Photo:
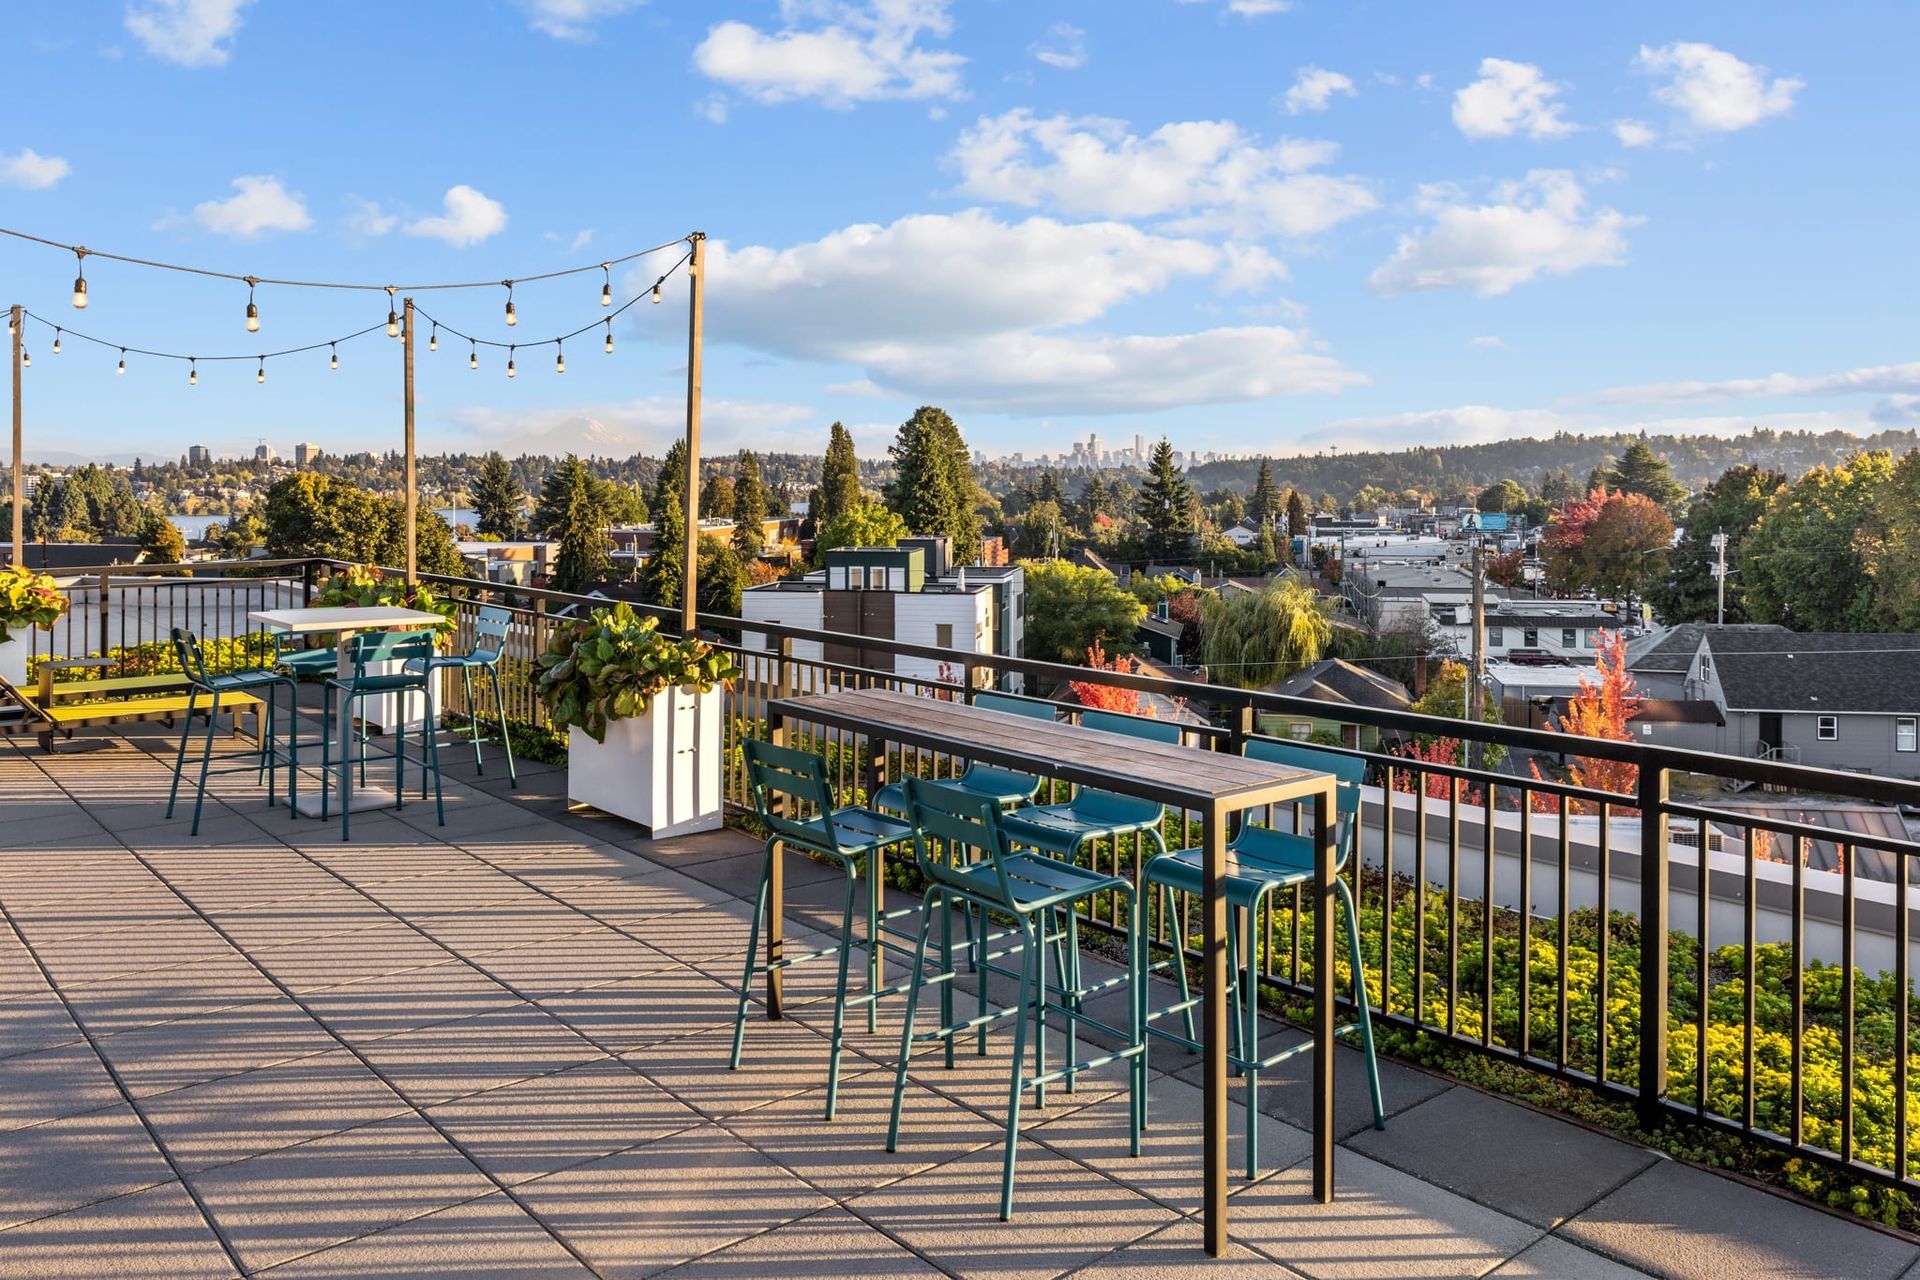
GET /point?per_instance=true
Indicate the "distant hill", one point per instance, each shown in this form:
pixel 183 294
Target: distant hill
pixel 1695 459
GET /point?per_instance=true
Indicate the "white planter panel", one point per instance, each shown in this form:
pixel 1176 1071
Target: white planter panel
pixel 13 659
pixel 660 770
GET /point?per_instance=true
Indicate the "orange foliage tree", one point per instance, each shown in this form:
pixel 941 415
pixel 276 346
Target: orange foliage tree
pixel 1106 697
pixel 1438 786
pixel 1599 710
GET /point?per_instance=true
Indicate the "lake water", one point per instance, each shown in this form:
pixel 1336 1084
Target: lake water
pixel 192 527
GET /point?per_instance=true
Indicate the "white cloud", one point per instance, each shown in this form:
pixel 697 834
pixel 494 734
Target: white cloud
pixel 1897 411
pixel 1507 98
pixel 1249 269
pixel 29 169
pixel 470 217
pixel 837 52
pixel 1635 133
pixel 622 428
pixel 261 204
pixel 1881 379
pixel 1539 226
pixel 1208 173
pixel 971 310
pixel 1487 340
pixel 1314 89
pixel 368 219
pixel 1258 8
pixel 193 33
pixel 1065 47
pixel 573 19
pixel 1713 91
pixel 858 387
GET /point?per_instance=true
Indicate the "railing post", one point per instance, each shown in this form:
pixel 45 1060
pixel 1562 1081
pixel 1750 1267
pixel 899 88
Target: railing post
pixel 1653 939
pixel 105 613
pixel 1242 728
pixel 306 585
pixel 966 678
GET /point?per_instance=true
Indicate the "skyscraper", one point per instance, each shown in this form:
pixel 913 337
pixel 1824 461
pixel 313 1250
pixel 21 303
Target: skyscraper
pixel 199 456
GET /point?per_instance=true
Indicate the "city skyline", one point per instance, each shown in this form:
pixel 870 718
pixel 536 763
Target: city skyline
pixel 1452 228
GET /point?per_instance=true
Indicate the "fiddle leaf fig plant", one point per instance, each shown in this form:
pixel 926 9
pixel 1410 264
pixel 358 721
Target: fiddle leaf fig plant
pixel 611 664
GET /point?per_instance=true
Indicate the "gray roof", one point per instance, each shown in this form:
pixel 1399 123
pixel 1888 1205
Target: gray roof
pixel 1673 649
pixel 1815 671
pixel 1338 681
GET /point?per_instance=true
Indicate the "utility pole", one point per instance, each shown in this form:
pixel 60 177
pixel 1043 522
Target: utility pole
pixel 17 326
pixel 413 488
pixel 1477 674
pixel 696 282
pixel 1720 575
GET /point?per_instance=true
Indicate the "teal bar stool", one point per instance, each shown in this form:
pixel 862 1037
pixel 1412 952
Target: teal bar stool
pixel 978 868
pixel 303 664
pixel 1265 861
pixel 490 628
pixel 1092 814
pixel 408 649
pixel 1004 787
pixel 794 801
pixel 266 756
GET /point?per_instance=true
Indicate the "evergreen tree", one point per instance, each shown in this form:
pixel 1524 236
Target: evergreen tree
pixel 1299 524
pixel 1732 504
pixel 497 499
pixel 666 566
pixel 582 559
pixel 1641 470
pixel 1557 487
pixel 934 490
pixel 1268 551
pixel 717 498
pixel 749 509
pixel 839 476
pixel 1166 506
pixel 1264 504
pixel 556 494
pixel 160 541
pixel 1050 489
pixel 1096 500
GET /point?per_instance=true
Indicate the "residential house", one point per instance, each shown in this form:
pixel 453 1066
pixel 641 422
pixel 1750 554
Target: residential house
pixel 1338 683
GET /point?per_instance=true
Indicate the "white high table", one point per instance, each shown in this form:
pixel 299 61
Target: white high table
pixel 345 622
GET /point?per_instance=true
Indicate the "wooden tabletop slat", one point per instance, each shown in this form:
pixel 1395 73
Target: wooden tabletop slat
pixel 1186 776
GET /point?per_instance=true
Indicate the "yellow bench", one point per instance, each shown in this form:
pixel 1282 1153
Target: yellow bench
pixel 69 705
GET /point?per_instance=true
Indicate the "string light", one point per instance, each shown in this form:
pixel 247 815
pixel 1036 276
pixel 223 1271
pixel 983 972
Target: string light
pixel 606 287
pixel 609 347
pixel 656 290
pixel 393 318
pixel 511 318
pixel 253 312
pixel 121 371
pixel 510 351
pixel 433 339
pixel 559 358
pixel 193 372
pixel 80 280
pixel 260 375
pixel 26 358
pixel 56 342
pixel 334 362
pixel 61 333
pixel 473 354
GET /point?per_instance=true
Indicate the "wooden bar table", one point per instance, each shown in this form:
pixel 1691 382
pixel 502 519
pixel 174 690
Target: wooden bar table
pixel 1213 784
pixel 345 622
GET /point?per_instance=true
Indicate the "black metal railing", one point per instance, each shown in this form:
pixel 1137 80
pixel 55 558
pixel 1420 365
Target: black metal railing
pixel 1708 971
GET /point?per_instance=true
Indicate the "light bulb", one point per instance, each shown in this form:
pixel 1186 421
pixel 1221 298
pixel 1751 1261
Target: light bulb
pixel 510 351
pixel 559 360
pixel 193 374
pixel 260 374
pixel 473 356
pixel 253 318
pixel 123 362
pixel 26 359
pixel 512 319
pixel 334 363
pixel 393 323
pixel 79 293
pixel 606 286
pixel 433 339
pixel 609 337
pixel 656 293
pixel 56 342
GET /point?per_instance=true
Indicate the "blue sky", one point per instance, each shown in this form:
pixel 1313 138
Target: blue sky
pixel 1248 225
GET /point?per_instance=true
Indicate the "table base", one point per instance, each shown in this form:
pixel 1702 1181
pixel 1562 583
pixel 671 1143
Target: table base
pixel 364 798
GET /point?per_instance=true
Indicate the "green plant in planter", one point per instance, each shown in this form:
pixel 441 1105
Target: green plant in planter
pixel 28 599
pixel 610 664
pixel 364 586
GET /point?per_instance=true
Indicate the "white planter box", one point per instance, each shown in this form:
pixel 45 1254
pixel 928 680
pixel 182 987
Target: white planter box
pixel 13 658
pixel 661 770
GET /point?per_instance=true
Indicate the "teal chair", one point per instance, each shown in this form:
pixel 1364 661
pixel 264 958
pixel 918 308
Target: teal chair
pixel 266 756
pixel 978 868
pixel 1264 862
pixel 408 650
pixel 795 803
pixel 490 627
pixel 1004 787
pixel 303 664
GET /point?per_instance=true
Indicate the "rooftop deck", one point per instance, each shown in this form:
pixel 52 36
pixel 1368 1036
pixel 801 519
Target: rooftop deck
pixel 497 1049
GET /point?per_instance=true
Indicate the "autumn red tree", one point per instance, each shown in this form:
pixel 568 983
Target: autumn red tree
pixel 1601 709
pixel 1106 697
pixel 1563 542
pixel 1438 786
pixel 1605 541
pixel 1504 569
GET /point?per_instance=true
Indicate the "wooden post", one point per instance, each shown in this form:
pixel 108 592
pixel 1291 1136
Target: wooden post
pixel 696 290
pixel 413 488
pixel 19 321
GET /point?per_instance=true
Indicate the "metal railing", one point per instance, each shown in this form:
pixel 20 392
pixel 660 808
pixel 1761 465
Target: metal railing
pixel 1722 977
